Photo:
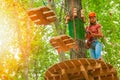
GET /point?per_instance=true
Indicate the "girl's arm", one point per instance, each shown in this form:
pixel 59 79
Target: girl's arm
pixel 99 33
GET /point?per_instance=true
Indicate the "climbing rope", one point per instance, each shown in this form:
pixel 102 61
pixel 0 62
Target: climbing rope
pixel 73 20
pixel 43 3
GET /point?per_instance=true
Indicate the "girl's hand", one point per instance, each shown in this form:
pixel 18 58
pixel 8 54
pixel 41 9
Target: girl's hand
pixel 93 34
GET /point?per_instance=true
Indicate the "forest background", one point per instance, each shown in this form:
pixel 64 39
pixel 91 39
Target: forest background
pixel 25 51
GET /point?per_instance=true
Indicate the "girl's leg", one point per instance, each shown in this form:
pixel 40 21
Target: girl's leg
pixel 92 53
pixel 98 49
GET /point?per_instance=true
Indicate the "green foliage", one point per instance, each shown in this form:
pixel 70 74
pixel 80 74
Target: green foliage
pixel 42 55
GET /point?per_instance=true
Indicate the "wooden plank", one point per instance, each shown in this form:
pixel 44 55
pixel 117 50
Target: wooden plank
pixel 38 22
pixel 65 76
pixel 55 44
pixel 70 45
pixel 49 13
pixel 73 70
pixel 64 48
pixel 63 37
pixel 62 66
pixel 47 74
pixel 44 9
pixel 33 11
pixel 95 72
pixel 69 64
pixel 67 41
pixel 76 63
pixel 91 77
pixel 85 73
pixel 108 77
pixel 33 17
pixel 56 67
pixel 51 18
pixel 92 61
pixel 52 40
pixel 84 62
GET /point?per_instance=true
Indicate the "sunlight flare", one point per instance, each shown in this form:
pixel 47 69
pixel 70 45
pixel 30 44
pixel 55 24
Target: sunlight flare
pixel 12 19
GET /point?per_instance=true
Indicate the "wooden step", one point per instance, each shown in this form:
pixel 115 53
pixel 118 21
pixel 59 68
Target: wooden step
pixel 64 42
pixel 78 69
pixel 44 14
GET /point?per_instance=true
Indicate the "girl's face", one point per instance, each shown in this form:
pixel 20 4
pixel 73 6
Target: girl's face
pixel 92 20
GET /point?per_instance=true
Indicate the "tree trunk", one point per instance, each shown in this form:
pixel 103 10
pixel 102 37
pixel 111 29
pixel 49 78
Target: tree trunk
pixel 59 30
pixel 76 28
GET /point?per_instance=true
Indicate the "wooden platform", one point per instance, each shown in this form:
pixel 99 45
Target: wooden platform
pixel 62 43
pixel 42 15
pixel 81 69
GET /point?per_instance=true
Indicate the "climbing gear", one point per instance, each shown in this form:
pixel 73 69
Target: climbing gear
pixel 67 18
pixel 92 14
pixel 74 12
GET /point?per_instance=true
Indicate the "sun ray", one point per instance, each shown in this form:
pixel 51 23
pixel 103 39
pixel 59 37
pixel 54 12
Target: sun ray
pixel 13 22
